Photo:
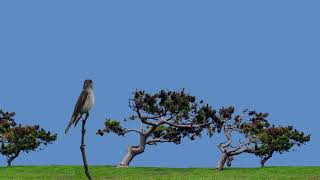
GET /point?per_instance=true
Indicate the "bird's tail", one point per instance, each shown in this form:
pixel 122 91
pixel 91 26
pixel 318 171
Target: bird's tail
pixel 69 125
pixel 77 119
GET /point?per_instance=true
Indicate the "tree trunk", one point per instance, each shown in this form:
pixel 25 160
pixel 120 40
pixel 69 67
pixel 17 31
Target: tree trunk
pixel 264 160
pixel 83 150
pixel 222 161
pixel 10 159
pixel 9 162
pixel 134 151
pixel 229 161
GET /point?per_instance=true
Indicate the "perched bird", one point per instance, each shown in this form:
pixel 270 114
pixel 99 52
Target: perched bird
pixel 83 105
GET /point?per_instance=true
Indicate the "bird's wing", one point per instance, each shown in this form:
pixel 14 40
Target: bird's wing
pixel 77 109
pixel 80 103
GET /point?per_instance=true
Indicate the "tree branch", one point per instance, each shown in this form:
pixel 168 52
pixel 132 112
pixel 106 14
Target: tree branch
pixel 241 150
pixel 151 142
pixel 160 140
pixel 82 148
pixel 132 130
pixel 144 119
pixel 151 130
pixel 183 125
pixel 223 146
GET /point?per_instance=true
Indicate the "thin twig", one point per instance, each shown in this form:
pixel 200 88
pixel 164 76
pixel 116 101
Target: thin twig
pixel 83 150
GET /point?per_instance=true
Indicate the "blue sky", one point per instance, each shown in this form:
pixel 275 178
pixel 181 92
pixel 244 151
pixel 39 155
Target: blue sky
pixel 256 54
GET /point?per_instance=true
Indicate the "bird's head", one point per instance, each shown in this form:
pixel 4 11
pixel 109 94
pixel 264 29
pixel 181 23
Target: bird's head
pixel 87 83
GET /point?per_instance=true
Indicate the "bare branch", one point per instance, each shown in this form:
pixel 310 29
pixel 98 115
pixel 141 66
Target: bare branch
pixel 241 147
pixel 144 119
pixel 132 130
pixel 159 139
pixel 241 150
pixel 151 142
pixel 183 125
pixel 155 117
pixel 222 146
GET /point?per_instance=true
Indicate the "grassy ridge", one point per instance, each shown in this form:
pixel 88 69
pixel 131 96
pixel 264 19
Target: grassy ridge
pixel 146 173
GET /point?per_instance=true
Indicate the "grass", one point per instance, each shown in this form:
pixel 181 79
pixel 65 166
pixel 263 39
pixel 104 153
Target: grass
pixel 146 173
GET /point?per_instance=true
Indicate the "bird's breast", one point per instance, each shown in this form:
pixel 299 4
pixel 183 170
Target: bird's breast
pixel 89 102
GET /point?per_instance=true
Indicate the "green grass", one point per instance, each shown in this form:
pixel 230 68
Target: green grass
pixel 144 173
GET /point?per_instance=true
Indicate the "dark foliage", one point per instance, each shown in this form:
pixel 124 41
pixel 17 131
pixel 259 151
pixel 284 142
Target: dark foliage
pixel 259 137
pixel 174 114
pixel 279 140
pixel 17 138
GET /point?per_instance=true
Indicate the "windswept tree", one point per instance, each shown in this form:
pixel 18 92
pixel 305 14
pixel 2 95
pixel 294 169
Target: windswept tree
pixel 165 117
pixel 257 136
pixel 16 138
pixel 279 140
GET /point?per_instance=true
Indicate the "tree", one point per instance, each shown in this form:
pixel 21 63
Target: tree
pixel 16 138
pixel 257 136
pixel 165 117
pixel 280 140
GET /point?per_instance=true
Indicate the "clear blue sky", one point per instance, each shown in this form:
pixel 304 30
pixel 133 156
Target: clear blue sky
pixel 257 54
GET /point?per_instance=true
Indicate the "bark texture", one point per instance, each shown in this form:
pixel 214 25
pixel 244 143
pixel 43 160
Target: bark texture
pixel 222 161
pixel 134 151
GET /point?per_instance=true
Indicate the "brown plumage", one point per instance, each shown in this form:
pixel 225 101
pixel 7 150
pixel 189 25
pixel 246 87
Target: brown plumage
pixel 83 105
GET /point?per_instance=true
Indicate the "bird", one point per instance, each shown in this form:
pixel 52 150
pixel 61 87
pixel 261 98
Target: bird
pixel 84 104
